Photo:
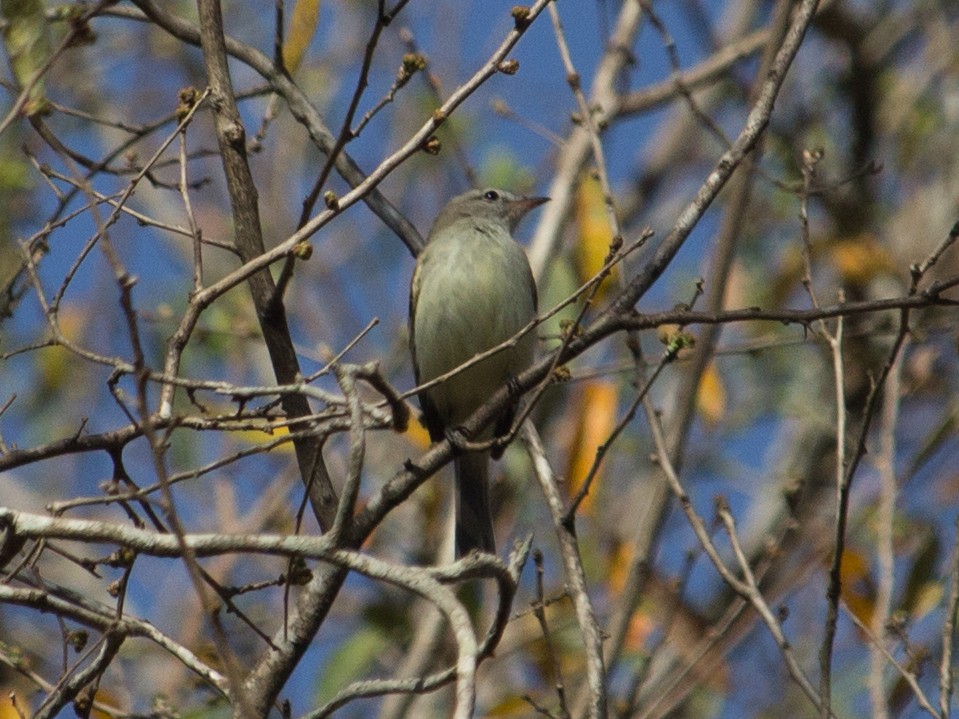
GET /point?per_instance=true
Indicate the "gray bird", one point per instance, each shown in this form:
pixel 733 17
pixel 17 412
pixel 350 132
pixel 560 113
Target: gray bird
pixel 472 290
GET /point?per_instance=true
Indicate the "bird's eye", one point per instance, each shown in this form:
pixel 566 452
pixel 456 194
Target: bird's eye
pixel 491 195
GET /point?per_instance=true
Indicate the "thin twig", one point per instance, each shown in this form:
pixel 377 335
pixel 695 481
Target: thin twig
pixel 949 633
pixel 539 611
pixel 885 550
pixel 746 587
pixel 575 576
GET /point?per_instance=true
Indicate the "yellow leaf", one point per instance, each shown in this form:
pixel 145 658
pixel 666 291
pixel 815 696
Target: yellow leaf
pixel 417 433
pixel 857 588
pixel 642 626
pixel 54 367
pixel 108 699
pixel 10 700
pixel 595 413
pixel 922 582
pixel 594 232
pixel 261 436
pixel 927 598
pixel 859 259
pixel 618 568
pixel 57 365
pixel 510 705
pixel 306 14
pixel 711 397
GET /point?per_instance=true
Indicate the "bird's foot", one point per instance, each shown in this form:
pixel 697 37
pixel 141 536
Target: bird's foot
pixel 513 388
pixel 459 439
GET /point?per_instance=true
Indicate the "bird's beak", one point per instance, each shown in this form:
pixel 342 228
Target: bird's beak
pixel 518 208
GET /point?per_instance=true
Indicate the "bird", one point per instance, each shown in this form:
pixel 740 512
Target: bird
pixel 472 289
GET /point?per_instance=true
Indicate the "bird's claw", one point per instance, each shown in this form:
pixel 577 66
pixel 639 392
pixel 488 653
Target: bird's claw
pixel 457 437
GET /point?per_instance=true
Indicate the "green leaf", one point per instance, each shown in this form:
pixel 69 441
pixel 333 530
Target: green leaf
pixel 27 40
pixel 350 662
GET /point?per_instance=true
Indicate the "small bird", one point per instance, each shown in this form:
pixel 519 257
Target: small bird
pixel 472 289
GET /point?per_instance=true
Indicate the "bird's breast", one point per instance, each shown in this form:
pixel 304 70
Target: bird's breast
pixel 472 296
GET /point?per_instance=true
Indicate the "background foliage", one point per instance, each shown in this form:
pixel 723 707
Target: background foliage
pixel 789 376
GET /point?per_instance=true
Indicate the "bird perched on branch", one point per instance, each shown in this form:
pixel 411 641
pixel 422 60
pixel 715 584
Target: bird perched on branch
pixel 471 291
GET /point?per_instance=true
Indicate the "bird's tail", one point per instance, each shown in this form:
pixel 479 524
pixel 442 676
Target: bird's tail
pixel 474 521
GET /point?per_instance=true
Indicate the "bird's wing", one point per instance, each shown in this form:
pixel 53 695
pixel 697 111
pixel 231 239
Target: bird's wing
pixel 430 417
